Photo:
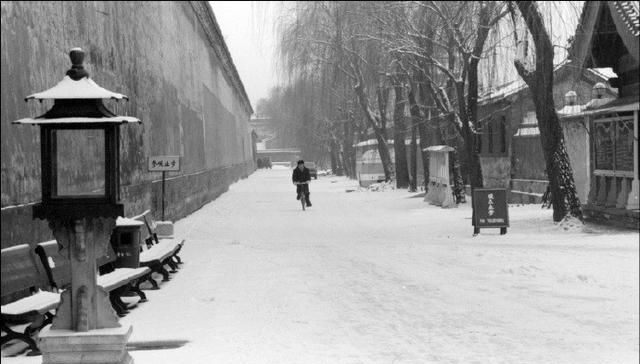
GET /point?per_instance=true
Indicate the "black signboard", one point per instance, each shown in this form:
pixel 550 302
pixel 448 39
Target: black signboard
pixel 490 209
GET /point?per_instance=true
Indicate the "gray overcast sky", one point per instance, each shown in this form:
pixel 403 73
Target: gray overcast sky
pixel 247 27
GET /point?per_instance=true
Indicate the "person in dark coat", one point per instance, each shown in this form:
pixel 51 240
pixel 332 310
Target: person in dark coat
pixel 301 174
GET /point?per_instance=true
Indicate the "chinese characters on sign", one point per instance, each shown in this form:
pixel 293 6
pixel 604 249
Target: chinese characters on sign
pixel 490 209
pixel 164 163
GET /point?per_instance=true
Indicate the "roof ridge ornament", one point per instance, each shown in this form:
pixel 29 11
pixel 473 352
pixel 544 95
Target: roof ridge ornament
pixel 77 71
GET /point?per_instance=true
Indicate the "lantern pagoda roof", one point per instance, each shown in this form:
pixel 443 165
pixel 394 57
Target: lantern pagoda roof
pixel 78 120
pixel 83 88
pixel 78 100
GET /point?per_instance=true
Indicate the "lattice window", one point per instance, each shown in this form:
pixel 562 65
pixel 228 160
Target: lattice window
pixel 503 134
pixel 490 133
pixel 624 145
pixel 613 143
pixel 603 139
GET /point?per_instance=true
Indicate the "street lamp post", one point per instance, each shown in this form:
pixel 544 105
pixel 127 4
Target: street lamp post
pixel 79 140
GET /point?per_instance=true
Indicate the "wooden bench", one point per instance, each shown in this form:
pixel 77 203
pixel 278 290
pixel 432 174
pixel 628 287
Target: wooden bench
pixel 159 248
pixel 20 272
pixel 116 281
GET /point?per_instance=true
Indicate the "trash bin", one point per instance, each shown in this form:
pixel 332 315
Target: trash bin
pixel 125 241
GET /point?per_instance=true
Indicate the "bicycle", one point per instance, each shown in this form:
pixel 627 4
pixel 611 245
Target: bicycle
pixel 303 198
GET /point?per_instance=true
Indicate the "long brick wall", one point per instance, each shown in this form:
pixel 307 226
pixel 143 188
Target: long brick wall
pixel 169 58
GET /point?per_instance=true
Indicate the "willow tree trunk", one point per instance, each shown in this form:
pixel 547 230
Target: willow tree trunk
pixel 413 165
pixel 564 197
pixel 414 109
pixel 349 154
pixel 336 167
pixel 402 167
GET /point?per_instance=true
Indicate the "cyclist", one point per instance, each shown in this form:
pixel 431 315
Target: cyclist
pixel 301 174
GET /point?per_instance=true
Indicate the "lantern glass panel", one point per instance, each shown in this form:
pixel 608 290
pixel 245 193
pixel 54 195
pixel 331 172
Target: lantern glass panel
pixel 80 162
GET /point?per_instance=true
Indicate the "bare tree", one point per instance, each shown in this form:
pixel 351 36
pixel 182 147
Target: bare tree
pixel 539 78
pixel 327 35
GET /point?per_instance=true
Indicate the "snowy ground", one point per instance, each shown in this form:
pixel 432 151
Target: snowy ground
pixel 380 277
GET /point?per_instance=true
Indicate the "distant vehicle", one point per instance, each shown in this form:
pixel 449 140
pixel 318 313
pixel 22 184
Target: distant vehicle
pixel 313 171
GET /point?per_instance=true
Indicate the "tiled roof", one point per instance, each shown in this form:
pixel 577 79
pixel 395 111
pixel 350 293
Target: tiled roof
pixel 629 11
pixel 513 87
pixel 625 15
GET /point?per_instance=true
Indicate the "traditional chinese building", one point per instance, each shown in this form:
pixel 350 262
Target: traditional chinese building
pixel 607 36
pixel 509 139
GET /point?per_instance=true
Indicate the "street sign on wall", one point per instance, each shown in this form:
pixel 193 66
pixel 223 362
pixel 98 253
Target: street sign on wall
pixel 164 163
pixel 490 209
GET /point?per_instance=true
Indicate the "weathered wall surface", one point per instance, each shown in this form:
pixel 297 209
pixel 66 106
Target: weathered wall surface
pixel 577 141
pixel 168 57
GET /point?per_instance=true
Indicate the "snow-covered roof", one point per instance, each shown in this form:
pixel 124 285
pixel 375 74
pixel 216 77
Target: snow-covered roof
pixel 78 120
pixel 604 72
pixel 15 247
pixel 370 142
pixel 510 88
pixel 389 142
pixel 518 85
pixel 124 221
pixel 570 110
pixel 503 91
pixel 84 88
pixel 282 150
pixel 439 148
pixel 527 131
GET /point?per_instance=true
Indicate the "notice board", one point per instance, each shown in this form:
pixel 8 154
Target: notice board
pixel 490 209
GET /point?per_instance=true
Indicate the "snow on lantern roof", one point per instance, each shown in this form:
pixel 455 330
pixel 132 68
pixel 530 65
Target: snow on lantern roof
pixel 78 120
pixel 76 84
pixel 124 221
pixel 78 100
pixel 83 88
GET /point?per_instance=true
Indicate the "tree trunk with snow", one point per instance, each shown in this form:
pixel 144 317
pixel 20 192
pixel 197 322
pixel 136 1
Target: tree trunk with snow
pixel 564 197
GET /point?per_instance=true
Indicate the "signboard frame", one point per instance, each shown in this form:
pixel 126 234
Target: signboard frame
pixel 479 220
pixel 164 164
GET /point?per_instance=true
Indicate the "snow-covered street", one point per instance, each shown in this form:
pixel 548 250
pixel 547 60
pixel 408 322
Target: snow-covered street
pixel 382 277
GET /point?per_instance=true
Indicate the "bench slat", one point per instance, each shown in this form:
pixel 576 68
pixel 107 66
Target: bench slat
pixel 120 277
pixel 40 303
